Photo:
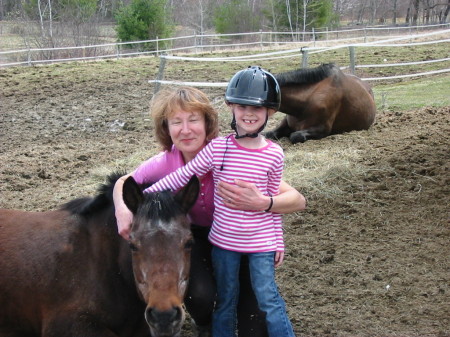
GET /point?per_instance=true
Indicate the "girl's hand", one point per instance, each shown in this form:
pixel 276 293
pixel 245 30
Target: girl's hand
pixel 279 258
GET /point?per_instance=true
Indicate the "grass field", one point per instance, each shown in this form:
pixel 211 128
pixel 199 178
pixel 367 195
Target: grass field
pixel 413 94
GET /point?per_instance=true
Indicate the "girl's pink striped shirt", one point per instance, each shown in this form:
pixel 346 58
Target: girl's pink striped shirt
pixel 236 230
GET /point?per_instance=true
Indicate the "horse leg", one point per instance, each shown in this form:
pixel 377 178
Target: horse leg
pixel 316 125
pixel 282 130
pixel 308 134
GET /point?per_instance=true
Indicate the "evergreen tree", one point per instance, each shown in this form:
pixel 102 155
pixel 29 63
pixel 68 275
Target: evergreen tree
pixel 235 16
pixel 144 20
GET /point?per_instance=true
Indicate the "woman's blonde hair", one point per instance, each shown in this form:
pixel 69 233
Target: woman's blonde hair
pixel 168 101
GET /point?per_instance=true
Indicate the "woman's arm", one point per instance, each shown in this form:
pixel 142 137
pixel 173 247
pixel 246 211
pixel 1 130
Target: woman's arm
pixel 124 216
pixel 246 196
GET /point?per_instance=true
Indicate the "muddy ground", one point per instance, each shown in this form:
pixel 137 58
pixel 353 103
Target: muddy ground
pixel 369 256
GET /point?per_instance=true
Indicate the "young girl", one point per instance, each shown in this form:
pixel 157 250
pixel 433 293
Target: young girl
pixel 252 94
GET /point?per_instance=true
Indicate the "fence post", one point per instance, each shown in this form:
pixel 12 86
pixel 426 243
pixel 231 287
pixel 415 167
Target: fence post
pixel 195 43
pixel 261 39
pixel 352 59
pixel 118 51
pixel 157 46
pixel 314 37
pixel 304 58
pixel 29 57
pixel 162 65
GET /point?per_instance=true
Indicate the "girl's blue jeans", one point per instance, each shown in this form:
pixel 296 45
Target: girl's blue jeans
pixel 262 273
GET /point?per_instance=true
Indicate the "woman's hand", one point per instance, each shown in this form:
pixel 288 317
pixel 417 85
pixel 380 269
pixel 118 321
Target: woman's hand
pixel 246 196
pixel 124 218
pixel 243 196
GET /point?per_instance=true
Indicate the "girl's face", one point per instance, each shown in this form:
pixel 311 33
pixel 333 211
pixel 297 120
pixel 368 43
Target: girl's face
pixel 249 118
pixel 188 132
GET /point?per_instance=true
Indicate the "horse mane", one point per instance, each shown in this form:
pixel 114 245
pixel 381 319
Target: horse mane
pixel 307 76
pixel 88 205
pixel 104 199
pixel 166 208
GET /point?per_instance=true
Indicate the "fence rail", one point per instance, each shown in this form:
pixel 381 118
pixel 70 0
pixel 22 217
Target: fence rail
pixel 304 54
pixel 211 43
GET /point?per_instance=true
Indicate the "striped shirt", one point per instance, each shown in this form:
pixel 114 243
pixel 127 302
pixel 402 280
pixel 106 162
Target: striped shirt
pixel 236 230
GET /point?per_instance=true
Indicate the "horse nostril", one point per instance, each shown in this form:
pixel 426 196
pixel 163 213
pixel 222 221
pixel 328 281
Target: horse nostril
pixel 163 318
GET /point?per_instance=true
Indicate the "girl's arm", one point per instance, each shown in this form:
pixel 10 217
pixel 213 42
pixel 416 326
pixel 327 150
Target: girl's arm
pixel 199 166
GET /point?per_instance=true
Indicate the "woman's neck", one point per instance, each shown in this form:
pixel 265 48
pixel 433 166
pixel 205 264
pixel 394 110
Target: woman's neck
pixel 188 156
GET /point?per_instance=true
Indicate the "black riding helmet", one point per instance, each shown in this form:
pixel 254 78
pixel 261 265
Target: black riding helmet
pixel 253 86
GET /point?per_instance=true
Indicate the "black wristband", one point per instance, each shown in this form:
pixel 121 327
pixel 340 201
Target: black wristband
pixel 270 205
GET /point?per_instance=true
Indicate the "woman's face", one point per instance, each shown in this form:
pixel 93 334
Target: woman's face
pixel 188 132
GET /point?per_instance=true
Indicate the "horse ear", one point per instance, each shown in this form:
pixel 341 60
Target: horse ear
pixel 132 194
pixel 188 194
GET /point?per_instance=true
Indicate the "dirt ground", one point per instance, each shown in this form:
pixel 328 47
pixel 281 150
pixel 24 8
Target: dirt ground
pixel 369 256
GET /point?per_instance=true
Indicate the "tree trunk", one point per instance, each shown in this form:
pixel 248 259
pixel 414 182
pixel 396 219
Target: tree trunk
pixel 447 10
pixel 288 9
pixel 416 4
pixel 427 11
pixel 394 17
pixel 274 18
pixel 41 19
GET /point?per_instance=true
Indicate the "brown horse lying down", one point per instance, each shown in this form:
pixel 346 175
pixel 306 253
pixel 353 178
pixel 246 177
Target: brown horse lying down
pixel 67 273
pixel 322 101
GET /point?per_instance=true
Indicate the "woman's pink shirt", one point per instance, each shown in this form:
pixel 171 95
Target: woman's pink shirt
pixel 164 163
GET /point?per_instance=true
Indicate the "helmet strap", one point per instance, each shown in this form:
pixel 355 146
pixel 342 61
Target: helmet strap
pixel 250 135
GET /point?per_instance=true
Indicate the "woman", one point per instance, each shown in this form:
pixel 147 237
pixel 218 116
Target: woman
pixel 185 122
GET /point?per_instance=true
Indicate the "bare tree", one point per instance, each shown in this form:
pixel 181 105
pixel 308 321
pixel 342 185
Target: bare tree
pixel 447 10
pixel 415 15
pixel 46 15
pixel 305 6
pixel 289 16
pixel 193 13
pixel 394 16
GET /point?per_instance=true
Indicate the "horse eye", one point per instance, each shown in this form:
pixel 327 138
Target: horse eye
pixel 189 244
pixel 133 247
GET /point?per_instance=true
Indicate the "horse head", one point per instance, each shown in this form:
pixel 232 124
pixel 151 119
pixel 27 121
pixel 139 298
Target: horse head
pixel 161 241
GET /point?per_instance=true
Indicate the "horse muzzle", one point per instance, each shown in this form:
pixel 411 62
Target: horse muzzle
pixel 165 323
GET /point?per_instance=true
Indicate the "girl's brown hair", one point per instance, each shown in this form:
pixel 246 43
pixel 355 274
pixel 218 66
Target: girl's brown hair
pixel 168 101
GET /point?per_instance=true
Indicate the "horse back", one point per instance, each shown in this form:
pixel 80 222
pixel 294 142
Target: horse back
pixel 358 105
pixel 30 244
pixel 60 266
